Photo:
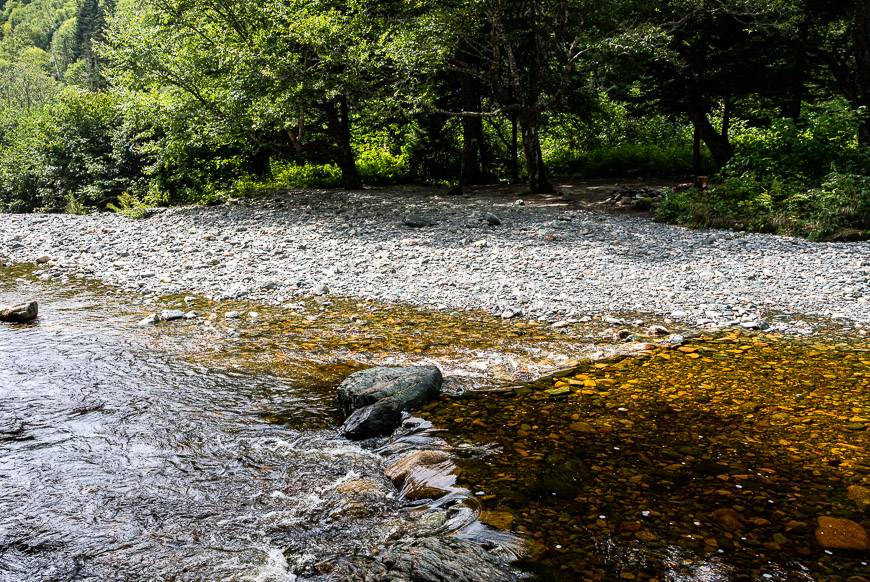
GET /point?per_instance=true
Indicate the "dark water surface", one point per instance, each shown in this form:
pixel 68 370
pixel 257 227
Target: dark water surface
pixel 710 462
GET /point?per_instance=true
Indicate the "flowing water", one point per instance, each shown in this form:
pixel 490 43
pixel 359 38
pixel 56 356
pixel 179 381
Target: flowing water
pixel 207 449
pixel 118 461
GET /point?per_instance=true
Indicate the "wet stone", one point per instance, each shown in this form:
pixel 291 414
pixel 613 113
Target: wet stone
pixel 20 313
pixel 835 533
pixel 399 470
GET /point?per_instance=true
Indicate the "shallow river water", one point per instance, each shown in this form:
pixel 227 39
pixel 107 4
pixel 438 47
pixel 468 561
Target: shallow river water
pixel 208 450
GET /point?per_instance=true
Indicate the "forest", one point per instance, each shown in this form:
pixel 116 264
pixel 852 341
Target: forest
pixel 131 104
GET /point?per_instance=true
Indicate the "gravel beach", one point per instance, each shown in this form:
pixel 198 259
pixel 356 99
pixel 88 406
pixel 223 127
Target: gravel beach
pixel 536 258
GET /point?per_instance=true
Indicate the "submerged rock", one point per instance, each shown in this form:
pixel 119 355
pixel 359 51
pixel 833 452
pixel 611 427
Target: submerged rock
pixel 399 470
pixel 860 495
pixel 20 313
pixel 834 533
pixel 375 398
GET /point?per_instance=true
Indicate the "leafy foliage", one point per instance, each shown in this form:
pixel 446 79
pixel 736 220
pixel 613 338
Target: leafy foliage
pixel 137 103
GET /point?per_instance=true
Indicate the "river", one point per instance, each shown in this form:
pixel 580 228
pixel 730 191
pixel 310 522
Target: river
pixel 205 451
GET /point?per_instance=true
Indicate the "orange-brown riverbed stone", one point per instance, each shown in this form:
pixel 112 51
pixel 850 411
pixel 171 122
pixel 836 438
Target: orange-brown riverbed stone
pixel 835 533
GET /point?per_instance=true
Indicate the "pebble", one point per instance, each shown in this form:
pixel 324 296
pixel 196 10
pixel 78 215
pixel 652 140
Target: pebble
pixel 539 260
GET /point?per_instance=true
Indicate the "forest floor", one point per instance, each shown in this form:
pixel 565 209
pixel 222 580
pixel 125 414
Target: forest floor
pixel 535 257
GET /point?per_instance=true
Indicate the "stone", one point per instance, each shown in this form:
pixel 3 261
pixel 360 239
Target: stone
pixel 658 330
pixel 398 470
pixel 20 313
pixel 43 259
pixel 415 220
pixel 150 320
pixel 375 420
pixel 498 519
pixel 437 559
pixel 511 313
pixel 836 533
pixel 320 290
pixel 582 427
pixel 727 518
pixel 374 399
pixel 232 315
pixel 407 387
pixel 429 481
pixel 170 315
pixel 360 487
pixel 492 219
pixel 860 495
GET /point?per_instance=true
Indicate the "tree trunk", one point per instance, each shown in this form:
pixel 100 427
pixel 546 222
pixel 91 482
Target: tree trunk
pixel 696 153
pixel 792 108
pixel 718 144
pixel 338 120
pixel 861 35
pixel 539 181
pixel 472 134
pixel 515 157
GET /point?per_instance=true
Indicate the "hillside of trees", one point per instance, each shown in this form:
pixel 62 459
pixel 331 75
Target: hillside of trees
pixel 126 104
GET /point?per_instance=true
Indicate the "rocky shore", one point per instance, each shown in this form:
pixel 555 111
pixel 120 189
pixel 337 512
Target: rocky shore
pixel 533 257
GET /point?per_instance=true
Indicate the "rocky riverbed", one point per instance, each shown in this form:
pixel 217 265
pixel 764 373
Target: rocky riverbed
pixel 531 257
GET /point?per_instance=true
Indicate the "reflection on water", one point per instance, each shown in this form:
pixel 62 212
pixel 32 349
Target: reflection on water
pixel 708 462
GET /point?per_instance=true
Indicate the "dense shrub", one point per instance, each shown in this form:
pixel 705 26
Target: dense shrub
pixel 824 140
pixel 290 175
pixel 62 152
pixel 378 166
pixel 838 209
pixel 806 177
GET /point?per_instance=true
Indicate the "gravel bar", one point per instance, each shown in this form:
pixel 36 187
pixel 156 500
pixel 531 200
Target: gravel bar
pixel 535 258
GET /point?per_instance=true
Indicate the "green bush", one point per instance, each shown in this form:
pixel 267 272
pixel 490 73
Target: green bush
pixel 129 206
pixel 60 153
pixel 838 209
pixel 824 140
pixel 380 167
pixel 289 175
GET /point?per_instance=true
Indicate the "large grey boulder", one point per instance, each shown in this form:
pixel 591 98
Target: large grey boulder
pixel 19 313
pixel 373 400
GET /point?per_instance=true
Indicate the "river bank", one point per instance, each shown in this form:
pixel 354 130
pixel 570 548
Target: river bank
pixel 533 258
